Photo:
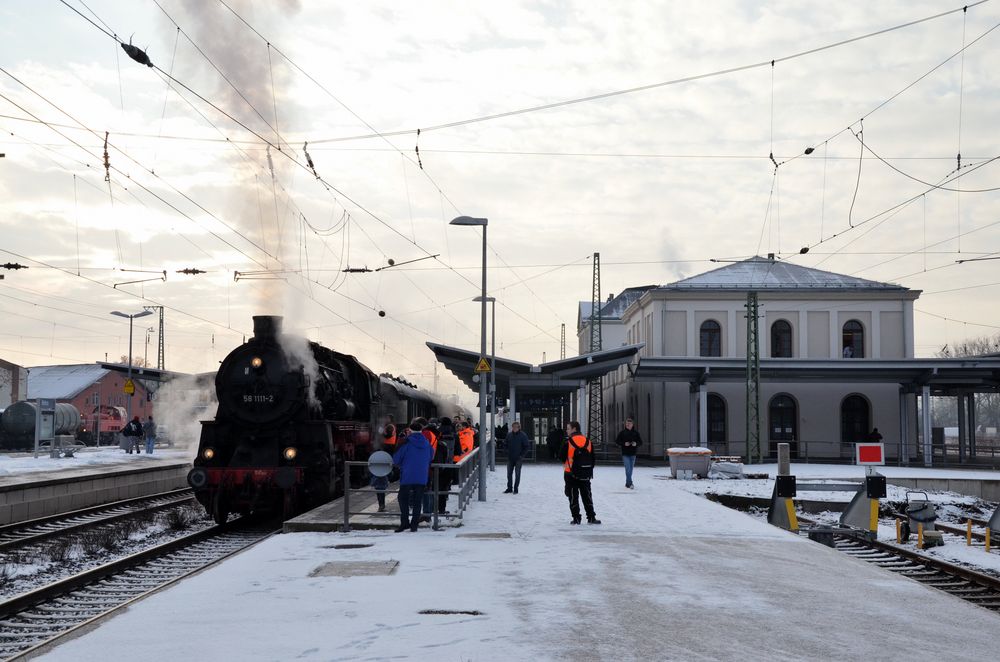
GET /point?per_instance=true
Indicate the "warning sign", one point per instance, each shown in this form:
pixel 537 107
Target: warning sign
pixel 129 388
pixel 482 366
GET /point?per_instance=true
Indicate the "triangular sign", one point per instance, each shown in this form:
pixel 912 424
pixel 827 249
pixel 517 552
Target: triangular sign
pixel 483 365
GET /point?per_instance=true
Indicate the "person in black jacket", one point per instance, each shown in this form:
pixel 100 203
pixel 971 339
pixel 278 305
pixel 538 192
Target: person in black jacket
pixel 518 445
pixel 555 440
pixel 629 441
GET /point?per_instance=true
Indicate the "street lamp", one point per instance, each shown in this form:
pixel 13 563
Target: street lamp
pixel 128 403
pixel 493 379
pixel 468 220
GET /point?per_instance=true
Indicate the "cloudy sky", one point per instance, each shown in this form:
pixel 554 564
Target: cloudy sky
pixel 659 181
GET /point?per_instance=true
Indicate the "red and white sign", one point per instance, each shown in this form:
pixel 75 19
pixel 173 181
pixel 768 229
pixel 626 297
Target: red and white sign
pixel 869 454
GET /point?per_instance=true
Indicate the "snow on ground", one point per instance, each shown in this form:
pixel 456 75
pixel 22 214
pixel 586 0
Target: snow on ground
pixel 16 464
pixel 669 575
pixel 802 470
pixel 762 489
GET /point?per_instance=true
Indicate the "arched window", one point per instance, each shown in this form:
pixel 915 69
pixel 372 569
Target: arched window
pixel 855 419
pixel 853 345
pixel 781 340
pixel 711 338
pixel 716 419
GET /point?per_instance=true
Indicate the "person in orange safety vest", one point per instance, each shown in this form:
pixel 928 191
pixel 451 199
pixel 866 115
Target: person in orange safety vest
pixel 466 442
pixel 578 468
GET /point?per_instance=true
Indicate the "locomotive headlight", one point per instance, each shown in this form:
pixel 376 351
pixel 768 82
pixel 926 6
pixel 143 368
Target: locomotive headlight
pixel 256 362
pixel 208 453
pixel 290 453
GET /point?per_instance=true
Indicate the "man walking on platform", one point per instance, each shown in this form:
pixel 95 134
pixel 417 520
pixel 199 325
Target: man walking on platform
pixel 149 431
pixel 517 447
pixel 629 441
pixel 577 472
pixel 414 461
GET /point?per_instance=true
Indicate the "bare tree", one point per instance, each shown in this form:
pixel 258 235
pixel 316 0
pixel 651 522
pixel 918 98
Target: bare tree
pixel 987 404
pixel 137 361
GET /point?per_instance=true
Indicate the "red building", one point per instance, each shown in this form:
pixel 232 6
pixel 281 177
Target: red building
pixel 85 387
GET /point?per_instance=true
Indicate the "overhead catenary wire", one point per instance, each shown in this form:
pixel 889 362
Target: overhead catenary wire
pixel 652 86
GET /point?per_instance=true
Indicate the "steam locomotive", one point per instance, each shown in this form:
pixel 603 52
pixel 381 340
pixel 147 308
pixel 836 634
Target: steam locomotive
pixel 290 413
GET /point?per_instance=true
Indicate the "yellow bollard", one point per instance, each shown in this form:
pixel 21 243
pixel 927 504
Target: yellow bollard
pixel 920 535
pixel 899 535
pixel 968 533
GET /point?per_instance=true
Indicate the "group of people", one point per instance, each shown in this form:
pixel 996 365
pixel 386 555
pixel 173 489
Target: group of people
pixel 424 442
pixel 134 432
pixel 414 448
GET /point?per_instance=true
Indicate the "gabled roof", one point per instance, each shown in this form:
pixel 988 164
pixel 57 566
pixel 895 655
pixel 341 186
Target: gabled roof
pixel 62 382
pixel 762 273
pixel 614 308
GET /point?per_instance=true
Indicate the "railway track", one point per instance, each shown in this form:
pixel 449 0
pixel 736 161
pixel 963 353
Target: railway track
pixel 970 585
pixel 26 533
pixel 38 618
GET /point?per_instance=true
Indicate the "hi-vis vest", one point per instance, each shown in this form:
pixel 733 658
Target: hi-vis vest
pixel 576 441
pixel 466 441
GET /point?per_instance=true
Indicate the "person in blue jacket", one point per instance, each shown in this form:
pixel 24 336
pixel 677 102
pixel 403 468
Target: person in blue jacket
pixel 414 461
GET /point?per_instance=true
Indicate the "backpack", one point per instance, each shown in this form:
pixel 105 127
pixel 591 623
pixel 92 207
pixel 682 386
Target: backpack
pixel 582 467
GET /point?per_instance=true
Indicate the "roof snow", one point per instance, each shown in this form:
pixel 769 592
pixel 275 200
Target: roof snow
pixel 62 382
pixel 761 273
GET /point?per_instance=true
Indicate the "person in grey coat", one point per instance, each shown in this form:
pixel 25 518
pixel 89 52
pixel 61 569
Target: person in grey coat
pixel 517 447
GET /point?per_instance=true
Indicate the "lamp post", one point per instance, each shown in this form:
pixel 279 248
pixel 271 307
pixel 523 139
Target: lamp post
pixel 493 379
pixel 128 403
pixel 468 220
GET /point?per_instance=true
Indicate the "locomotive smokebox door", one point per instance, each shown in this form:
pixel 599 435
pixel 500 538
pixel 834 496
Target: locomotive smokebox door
pixel 380 464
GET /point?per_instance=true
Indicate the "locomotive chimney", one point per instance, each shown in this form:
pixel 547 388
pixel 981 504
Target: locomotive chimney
pixel 266 326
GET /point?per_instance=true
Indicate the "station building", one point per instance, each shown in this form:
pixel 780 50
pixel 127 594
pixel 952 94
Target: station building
pixel 836 359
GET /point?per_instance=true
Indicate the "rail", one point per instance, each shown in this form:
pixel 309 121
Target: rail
pixel 465 473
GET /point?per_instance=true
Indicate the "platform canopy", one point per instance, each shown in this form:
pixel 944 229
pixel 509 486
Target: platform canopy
pixel 980 374
pixel 561 375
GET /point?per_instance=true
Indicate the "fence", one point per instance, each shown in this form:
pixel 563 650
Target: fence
pixel 803 450
pixel 465 472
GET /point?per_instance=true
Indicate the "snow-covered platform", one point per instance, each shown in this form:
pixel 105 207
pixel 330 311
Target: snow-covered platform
pixel 37 487
pixel 329 517
pixel 669 575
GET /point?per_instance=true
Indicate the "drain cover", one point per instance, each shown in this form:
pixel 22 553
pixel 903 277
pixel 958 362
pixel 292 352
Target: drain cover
pixel 483 536
pixel 449 612
pixel 355 569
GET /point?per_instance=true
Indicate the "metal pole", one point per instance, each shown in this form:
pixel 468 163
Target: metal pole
pixel 483 379
pixel 493 386
pixel 128 402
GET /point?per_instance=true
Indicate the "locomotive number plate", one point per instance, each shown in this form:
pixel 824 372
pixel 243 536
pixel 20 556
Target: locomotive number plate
pixel 258 398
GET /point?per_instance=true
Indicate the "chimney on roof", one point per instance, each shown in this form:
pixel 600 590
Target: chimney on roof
pixel 770 256
pixel 610 296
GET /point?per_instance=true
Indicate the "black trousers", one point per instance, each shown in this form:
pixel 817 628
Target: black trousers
pixel 411 498
pixel 513 473
pixel 575 490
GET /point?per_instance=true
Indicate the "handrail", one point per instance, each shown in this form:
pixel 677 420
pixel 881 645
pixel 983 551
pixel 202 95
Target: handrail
pixel 468 479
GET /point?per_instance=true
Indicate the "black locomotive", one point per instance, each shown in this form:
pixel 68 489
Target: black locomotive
pixel 290 413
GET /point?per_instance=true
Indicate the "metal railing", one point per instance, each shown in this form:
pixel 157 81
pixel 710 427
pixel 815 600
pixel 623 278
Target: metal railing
pixel 820 451
pixel 464 487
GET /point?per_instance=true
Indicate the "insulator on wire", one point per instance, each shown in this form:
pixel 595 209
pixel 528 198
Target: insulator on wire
pixel 107 159
pixel 136 53
pixel 309 160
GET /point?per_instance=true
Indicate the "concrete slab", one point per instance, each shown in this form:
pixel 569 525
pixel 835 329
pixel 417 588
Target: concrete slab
pixel 355 569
